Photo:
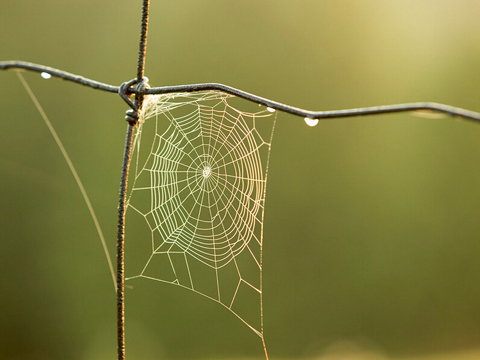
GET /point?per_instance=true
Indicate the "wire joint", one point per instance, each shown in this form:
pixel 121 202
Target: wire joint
pixel 126 92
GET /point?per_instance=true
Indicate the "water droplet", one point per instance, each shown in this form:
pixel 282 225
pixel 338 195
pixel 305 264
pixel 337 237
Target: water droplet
pixel 45 75
pixel 311 122
pixel 270 109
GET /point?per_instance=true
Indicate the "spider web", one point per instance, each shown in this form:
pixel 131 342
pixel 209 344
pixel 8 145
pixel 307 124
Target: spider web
pixel 199 186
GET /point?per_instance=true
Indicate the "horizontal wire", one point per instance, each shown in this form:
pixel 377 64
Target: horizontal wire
pixel 16 64
pixel 374 110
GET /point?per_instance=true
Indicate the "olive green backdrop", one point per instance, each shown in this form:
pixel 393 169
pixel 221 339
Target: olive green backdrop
pixel 371 225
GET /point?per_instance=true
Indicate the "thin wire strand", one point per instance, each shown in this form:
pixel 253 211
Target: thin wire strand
pixel 374 110
pixel 73 171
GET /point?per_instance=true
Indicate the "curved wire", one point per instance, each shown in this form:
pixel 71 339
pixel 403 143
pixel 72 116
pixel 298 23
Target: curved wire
pixel 74 172
pixel 374 110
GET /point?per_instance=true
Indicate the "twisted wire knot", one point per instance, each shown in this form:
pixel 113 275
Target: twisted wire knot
pixel 125 91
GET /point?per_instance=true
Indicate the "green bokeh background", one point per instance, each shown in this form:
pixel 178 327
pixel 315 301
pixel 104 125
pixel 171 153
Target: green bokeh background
pixel 371 225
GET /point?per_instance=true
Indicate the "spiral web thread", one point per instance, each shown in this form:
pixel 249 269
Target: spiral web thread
pixel 199 185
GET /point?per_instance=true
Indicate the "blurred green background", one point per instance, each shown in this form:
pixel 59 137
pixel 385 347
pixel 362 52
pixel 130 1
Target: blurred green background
pixel 371 227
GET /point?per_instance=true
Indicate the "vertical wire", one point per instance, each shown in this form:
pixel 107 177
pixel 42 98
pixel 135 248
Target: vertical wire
pixel 143 40
pixel 123 189
pixel 142 50
pixel 120 244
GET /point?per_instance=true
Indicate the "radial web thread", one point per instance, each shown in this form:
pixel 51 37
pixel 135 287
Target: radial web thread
pixel 199 186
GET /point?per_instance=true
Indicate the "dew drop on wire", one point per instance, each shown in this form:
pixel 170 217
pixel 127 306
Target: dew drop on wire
pixel 45 75
pixel 270 109
pixel 311 122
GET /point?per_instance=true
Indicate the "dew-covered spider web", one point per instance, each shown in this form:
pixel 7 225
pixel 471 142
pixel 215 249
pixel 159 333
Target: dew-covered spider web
pixel 200 173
